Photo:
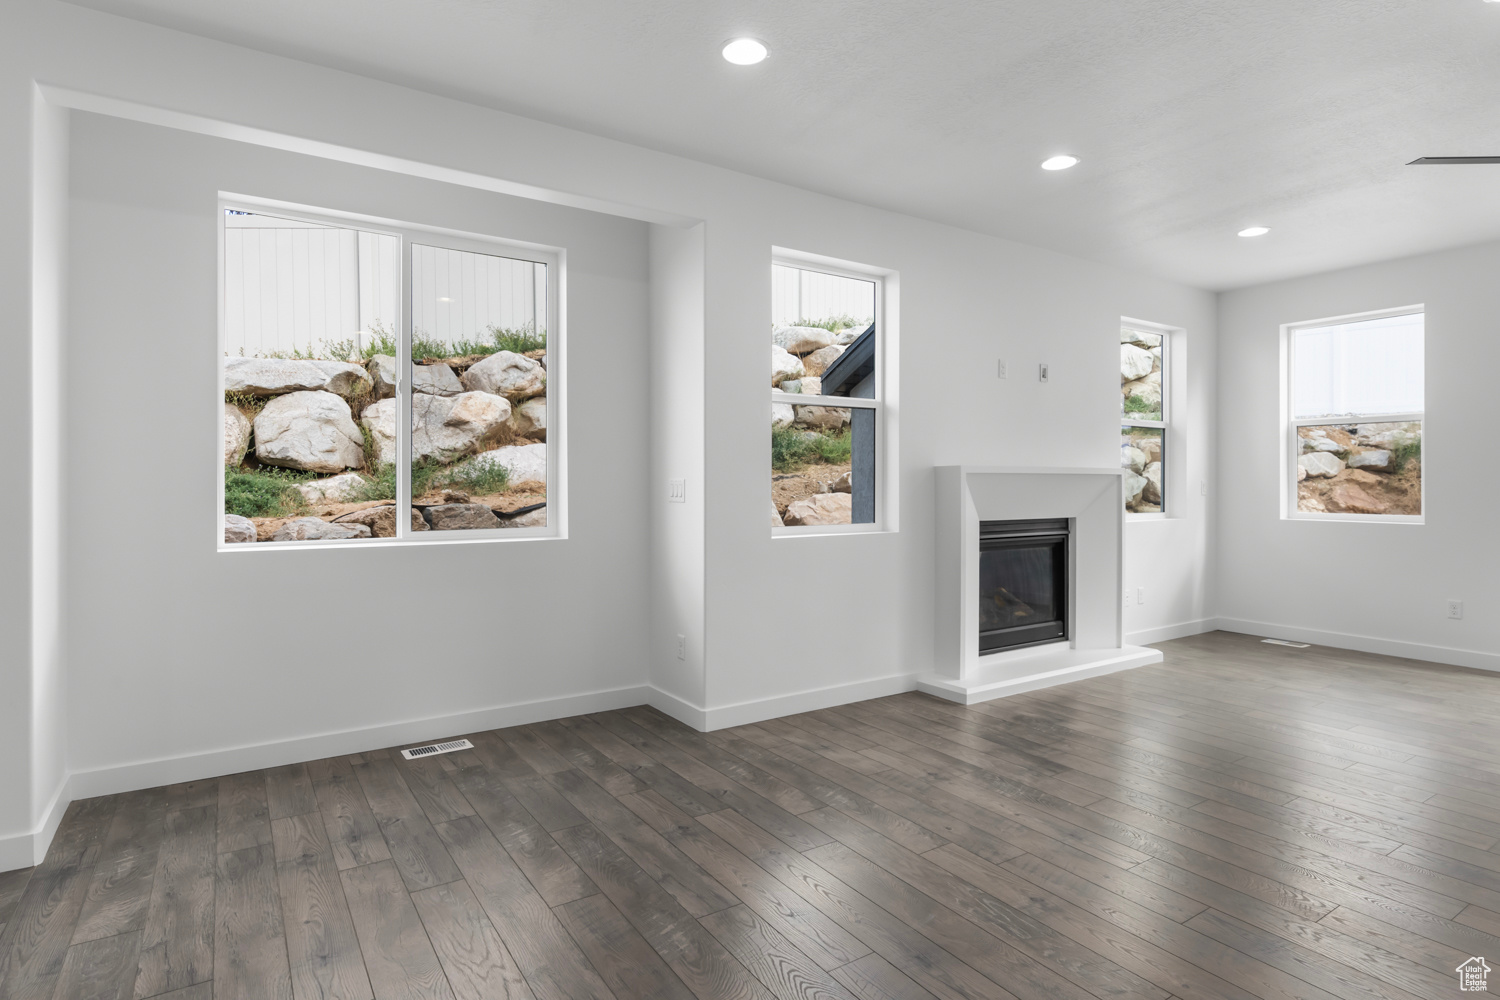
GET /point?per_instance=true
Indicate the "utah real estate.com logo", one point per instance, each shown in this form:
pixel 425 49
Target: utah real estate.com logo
pixel 1473 974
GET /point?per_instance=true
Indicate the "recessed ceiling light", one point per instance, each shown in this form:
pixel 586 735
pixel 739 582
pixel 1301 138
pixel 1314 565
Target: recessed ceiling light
pixel 744 51
pixel 1059 162
pixel 1254 231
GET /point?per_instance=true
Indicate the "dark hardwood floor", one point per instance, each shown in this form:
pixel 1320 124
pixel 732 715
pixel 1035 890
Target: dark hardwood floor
pixel 1244 820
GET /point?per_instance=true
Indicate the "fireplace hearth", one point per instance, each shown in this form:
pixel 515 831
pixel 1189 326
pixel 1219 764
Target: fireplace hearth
pixel 1023 583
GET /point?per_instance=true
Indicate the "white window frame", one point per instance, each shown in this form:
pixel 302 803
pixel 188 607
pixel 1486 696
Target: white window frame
pixel 1290 448
pixel 885 519
pixel 409 233
pixel 1168 457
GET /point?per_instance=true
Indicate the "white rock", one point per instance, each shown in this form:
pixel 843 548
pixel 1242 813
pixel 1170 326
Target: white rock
pixel 1134 362
pixel 1322 444
pixel 1151 493
pixel 818 361
pixel 849 335
pixel 784 365
pixel 792 385
pixel 823 508
pixel 531 519
pixel 277 376
pixel 802 339
pixel 382 369
pixel 336 490
pixel 1132 458
pixel 1390 439
pixel 526 463
pixel 1131 337
pixel 775 517
pixel 307 529
pixel 1373 460
pixel 1135 484
pixel 435 380
pixel 529 419
pixel 1320 463
pixel 782 414
pixel 236 435
pixel 1150 447
pixel 238 529
pixel 822 418
pixel 1148 391
pixel 308 430
pixel 507 374
pixel 843 484
pixel 444 427
pixel 811 385
pixel 461 517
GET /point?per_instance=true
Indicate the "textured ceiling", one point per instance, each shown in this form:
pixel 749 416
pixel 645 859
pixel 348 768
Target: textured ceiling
pixel 1193 119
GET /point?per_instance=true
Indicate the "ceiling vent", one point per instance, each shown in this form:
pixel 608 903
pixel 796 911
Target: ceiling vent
pixel 436 748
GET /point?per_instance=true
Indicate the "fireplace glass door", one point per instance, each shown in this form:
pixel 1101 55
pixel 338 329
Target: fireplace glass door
pixel 1023 583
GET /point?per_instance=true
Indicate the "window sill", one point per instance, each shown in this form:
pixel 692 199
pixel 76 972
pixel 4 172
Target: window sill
pixel 1358 518
pixel 829 530
pixel 464 538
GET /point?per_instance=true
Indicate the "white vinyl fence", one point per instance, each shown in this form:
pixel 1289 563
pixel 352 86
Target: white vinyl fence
pixel 798 294
pixel 1370 366
pixel 296 286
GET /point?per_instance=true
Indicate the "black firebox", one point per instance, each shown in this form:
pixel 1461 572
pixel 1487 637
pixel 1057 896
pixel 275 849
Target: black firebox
pixel 1023 583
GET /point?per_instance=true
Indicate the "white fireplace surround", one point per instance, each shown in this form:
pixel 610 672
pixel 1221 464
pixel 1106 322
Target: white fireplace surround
pixel 1093 502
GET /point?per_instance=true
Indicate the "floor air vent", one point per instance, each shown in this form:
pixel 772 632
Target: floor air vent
pixel 1288 642
pixel 436 748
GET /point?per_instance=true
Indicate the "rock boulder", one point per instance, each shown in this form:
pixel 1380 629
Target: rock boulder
pixel 236 435
pixel 802 339
pixel 443 427
pixel 784 365
pixel 530 519
pixel 382 520
pixel 507 374
pixel 525 463
pixel 461 517
pixel 1373 460
pixel 238 529
pixel 818 361
pixel 1151 493
pixel 278 376
pixel 529 419
pixel 821 418
pixel 435 380
pixel 308 529
pixel 823 508
pixel 382 370
pixel 1321 463
pixel 314 431
pixel 1348 498
pixel 1134 363
pixel 339 489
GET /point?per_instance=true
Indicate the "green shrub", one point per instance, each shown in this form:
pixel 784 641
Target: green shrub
pixel 1137 404
pixel 793 448
pixel 263 492
pixel 428 475
pixel 835 323
pixel 1404 452
pixel 473 477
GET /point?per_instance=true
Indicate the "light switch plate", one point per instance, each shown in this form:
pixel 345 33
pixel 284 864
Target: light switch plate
pixel 677 490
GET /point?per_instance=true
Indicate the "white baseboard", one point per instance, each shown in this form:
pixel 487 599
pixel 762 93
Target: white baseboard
pixel 745 712
pixel 1365 644
pixel 1047 668
pixel 25 849
pixel 1162 633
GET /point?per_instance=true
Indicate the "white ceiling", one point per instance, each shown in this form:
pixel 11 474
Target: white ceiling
pixel 1193 118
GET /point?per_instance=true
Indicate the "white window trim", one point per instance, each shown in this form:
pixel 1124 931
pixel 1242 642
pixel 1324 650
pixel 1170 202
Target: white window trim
pixel 408 233
pixel 1170 458
pixel 885 504
pixel 1291 450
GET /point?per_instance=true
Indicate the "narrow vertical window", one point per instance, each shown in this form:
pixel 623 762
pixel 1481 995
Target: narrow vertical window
pixel 1355 429
pixel 382 383
pixel 825 396
pixel 1143 418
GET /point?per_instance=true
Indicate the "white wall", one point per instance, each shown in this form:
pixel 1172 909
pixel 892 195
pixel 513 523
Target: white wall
pixel 177 649
pixel 1378 587
pixel 786 623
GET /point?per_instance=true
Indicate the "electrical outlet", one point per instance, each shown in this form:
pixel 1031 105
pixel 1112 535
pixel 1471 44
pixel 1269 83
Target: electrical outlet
pixel 1042 372
pixel 677 490
pixel 1203 487
pixel 1000 370
pixel 681 647
pixel 1140 595
pixel 1455 609
pixel 1126 602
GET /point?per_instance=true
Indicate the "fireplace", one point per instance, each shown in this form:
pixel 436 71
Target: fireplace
pixel 1023 583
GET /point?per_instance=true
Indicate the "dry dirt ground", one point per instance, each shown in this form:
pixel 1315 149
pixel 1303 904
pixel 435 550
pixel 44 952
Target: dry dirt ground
pixel 787 487
pixel 1399 492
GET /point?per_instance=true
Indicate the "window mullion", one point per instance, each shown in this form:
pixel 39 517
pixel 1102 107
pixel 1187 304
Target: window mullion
pixel 404 397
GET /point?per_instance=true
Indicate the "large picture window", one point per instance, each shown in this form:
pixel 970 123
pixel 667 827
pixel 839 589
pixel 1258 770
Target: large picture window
pixel 1355 429
pixel 825 396
pixel 382 382
pixel 1144 385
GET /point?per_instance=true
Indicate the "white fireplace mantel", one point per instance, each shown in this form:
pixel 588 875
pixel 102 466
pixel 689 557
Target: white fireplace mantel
pixel 1093 501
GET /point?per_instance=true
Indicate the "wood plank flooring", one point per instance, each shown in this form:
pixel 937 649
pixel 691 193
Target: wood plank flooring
pixel 1241 821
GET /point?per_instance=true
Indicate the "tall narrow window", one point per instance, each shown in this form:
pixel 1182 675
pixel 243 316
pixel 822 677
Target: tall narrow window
pixel 825 396
pixel 1143 418
pixel 381 383
pixel 1356 393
